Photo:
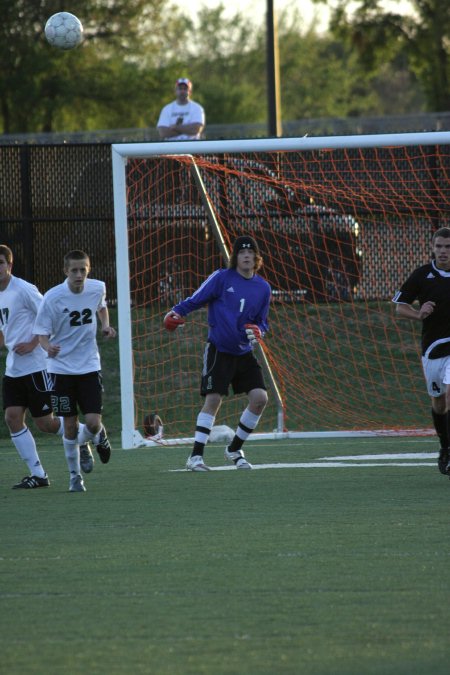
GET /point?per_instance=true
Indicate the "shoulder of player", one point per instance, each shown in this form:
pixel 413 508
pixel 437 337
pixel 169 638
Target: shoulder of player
pixel 55 291
pixel 423 272
pixel 94 284
pixel 262 280
pixel 258 279
pixel 17 283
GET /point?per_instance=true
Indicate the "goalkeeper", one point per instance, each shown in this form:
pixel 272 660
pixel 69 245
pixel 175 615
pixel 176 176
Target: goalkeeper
pixel 238 304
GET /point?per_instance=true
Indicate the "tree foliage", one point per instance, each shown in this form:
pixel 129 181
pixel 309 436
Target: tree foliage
pixel 380 37
pixel 368 63
pixel 41 86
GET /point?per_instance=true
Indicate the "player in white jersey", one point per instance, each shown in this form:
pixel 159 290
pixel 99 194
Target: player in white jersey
pixel 67 326
pixel 182 119
pixel 26 384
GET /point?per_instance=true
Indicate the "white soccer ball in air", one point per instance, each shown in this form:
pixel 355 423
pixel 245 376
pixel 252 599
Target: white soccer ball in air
pixel 64 30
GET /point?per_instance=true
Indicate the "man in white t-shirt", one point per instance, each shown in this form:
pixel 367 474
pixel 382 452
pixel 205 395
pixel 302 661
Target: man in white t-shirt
pixel 67 325
pixel 26 384
pixel 183 119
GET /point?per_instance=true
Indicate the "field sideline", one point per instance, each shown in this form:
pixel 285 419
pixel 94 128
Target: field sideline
pixel 335 564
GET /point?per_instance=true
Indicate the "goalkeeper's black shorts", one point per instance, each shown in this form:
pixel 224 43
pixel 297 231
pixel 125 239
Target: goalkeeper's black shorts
pixel 220 370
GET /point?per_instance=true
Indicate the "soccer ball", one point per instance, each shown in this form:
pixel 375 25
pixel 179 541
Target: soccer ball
pixel 64 30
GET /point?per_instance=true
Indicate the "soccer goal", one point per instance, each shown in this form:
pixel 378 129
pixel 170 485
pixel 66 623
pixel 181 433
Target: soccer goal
pixel 341 222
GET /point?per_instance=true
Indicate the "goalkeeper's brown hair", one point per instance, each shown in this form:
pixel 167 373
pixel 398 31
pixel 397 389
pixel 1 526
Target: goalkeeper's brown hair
pixel 243 243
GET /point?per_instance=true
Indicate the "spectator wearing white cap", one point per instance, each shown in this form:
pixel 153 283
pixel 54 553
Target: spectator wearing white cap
pixel 182 119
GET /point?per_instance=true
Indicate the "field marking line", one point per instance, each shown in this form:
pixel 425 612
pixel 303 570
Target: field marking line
pixel 311 465
pixel 399 455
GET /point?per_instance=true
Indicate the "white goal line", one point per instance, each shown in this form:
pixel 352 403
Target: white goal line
pixel 140 441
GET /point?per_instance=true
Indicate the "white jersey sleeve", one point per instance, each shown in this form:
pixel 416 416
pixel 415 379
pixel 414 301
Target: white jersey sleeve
pixel 19 305
pixel 70 319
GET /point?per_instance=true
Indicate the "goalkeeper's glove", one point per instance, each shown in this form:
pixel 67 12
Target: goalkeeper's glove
pixel 172 320
pixel 254 334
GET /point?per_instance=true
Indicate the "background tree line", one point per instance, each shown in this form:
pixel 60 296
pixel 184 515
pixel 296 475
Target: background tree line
pixel 369 62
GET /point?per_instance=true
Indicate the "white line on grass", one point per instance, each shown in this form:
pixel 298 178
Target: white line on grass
pixel 313 465
pixel 403 455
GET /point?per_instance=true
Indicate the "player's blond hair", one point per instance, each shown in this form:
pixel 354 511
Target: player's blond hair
pixel 75 255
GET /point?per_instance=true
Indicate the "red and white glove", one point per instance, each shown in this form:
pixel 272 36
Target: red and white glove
pixel 253 333
pixel 172 320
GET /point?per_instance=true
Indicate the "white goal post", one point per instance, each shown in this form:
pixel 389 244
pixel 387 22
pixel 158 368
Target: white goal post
pixel 123 153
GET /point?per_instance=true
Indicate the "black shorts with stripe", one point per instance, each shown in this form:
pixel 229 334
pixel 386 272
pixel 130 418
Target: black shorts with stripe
pixel 75 393
pixel 33 391
pixel 220 370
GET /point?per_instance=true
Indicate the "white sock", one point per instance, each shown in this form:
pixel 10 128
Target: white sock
pixel 84 435
pixel 60 431
pixel 205 423
pixel 26 447
pixel 96 438
pixel 72 452
pixel 247 424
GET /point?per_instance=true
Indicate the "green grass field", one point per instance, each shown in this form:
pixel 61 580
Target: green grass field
pixel 322 570
pixel 309 570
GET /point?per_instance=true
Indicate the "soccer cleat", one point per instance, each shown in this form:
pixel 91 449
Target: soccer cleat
pixel 31 482
pixel 76 484
pixel 86 458
pixel 103 447
pixel 238 458
pixel 196 463
pixel 443 460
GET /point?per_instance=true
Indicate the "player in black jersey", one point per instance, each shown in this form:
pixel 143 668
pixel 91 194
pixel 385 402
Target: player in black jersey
pixel 429 285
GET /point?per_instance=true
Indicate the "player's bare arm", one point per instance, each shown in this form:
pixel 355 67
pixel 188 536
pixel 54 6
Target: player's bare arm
pixel 107 330
pixel 23 348
pixel 51 349
pixel 405 311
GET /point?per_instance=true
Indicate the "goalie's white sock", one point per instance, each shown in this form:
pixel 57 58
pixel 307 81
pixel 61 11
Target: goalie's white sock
pixel 205 423
pixel 247 424
pixel 26 447
pixel 72 452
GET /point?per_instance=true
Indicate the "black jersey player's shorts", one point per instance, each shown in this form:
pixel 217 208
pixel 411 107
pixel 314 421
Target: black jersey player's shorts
pixel 78 392
pixel 220 370
pixel 33 391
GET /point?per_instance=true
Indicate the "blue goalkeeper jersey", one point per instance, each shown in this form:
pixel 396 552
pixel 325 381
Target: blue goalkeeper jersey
pixel 232 302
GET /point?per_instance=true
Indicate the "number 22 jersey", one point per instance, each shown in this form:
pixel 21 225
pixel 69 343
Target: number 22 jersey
pixel 70 319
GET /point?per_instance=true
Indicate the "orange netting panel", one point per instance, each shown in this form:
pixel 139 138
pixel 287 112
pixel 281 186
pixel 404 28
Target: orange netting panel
pixel 339 231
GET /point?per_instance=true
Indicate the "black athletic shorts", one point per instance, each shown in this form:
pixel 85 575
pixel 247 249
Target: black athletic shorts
pixel 220 370
pixel 78 392
pixel 33 391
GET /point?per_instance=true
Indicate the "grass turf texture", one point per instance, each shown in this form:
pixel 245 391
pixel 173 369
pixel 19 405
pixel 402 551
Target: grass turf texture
pixel 314 571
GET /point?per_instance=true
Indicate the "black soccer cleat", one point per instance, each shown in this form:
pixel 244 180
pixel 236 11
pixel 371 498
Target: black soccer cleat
pixel 31 482
pixel 104 447
pixel 443 461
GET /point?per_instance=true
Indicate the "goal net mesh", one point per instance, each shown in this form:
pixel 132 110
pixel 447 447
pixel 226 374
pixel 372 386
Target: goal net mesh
pixel 339 231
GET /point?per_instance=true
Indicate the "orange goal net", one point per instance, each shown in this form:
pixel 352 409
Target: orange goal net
pixel 340 227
